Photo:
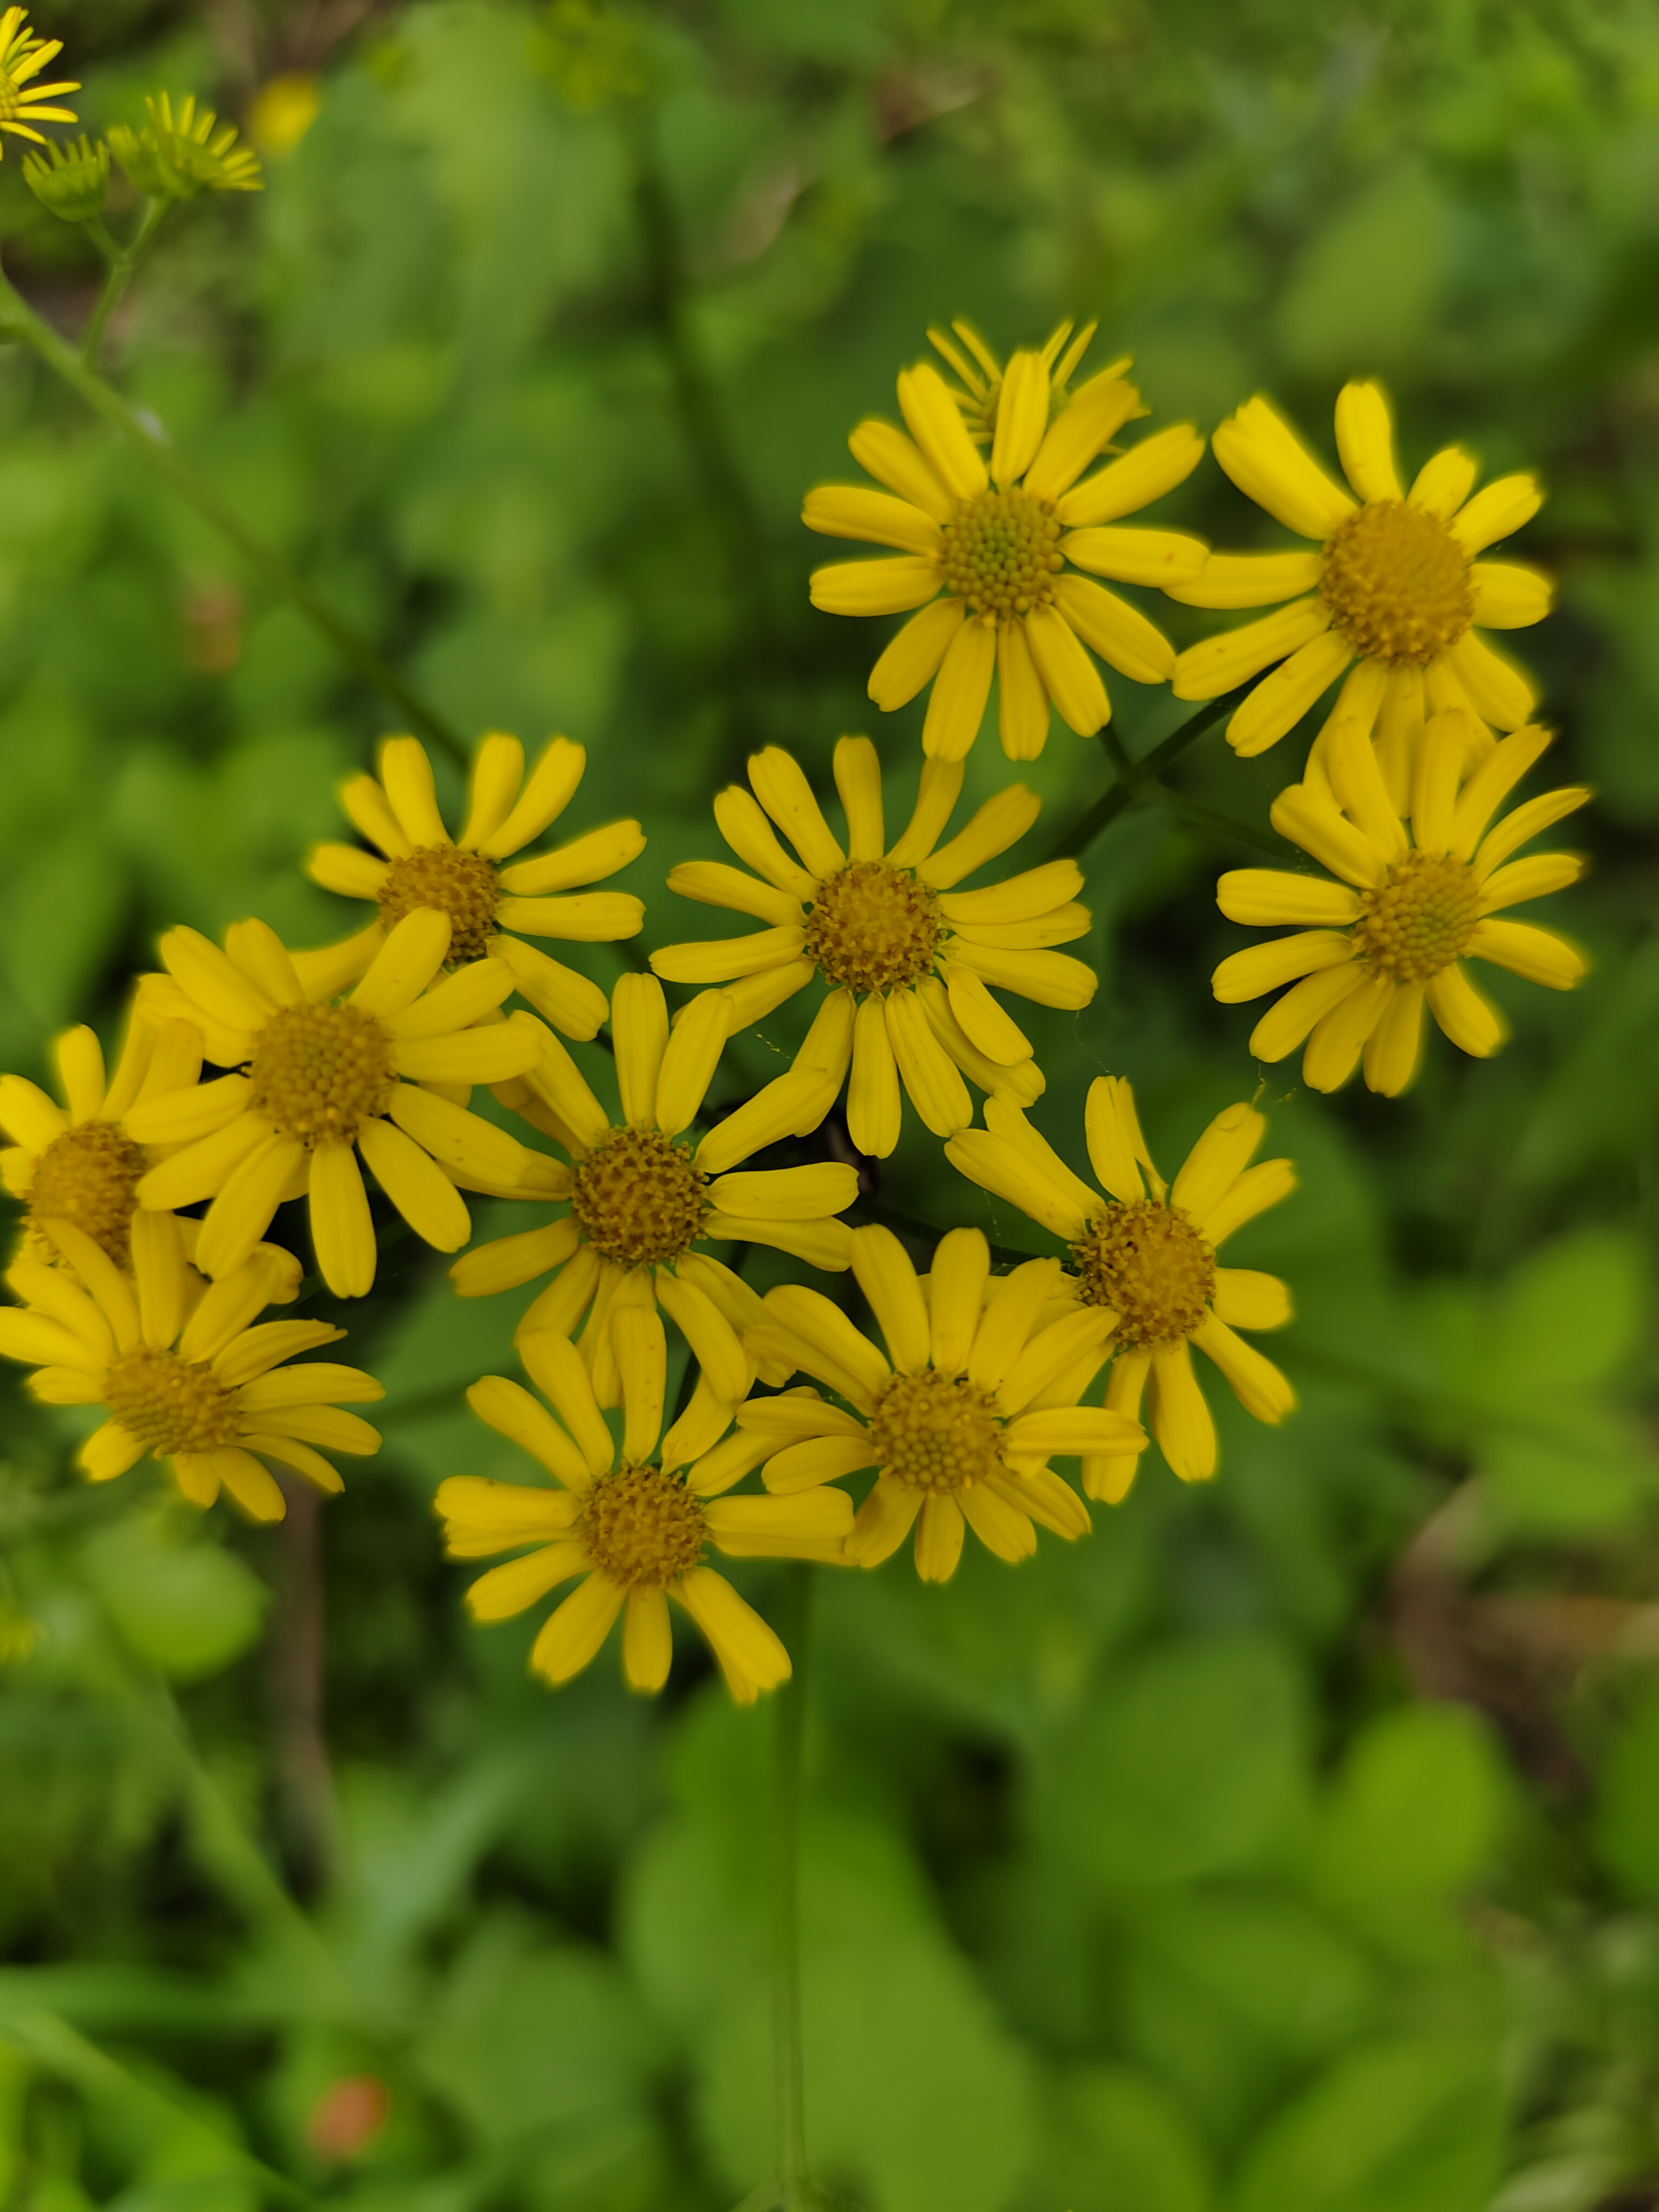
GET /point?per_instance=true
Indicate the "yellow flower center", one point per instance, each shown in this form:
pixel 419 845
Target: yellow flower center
pixel 319 1072
pixel 936 1431
pixel 90 1177
pixel 461 884
pixel 639 1198
pixel 1147 1262
pixel 1419 918
pixel 643 1526
pixel 171 1405
pixel 873 928
pixel 1001 553
pixel 1397 584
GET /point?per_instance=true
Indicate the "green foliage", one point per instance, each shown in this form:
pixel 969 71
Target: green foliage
pixel 1290 1845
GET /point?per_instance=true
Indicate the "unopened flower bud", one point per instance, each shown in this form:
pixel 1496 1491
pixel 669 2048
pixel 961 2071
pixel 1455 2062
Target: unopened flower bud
pixel 72 180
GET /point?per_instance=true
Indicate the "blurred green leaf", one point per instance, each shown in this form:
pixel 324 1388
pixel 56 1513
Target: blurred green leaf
pixel 1123 2144
pixel 187 1608
pixel 1415 1811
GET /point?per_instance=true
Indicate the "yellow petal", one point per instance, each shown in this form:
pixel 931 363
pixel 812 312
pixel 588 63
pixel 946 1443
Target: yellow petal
pixel 928 1075
pixel 1022 701
pixel 911 658
pixel 1257 1384
pixel 457 1138
pixel 366 803
pixel 1001 823
pixel 1264 896
pixel 1051 978
pixel 342 1230
pixel 1538 954
pixel 1157 464
pixel 938 1538
pixel 212 981
pixel 1365 441
pixel 1162 558
pixel 874 587
pixel 956 706
pixel 1394 1047
pixel 551 784
pixel 1496 688
pixel 241 1212
pixel 1285 1026
pixel 892 459
pixel 406 779
pixel 1497 512
pixel 571 1638
pixel 1070 678
pixel 961 1273
pixel 1339 1036
pixel 992 1029
pixel 1021 416
pixel 427 1200
pixel 497 773
pixel 411 957
pixel 783 791
pixel 858 779
pixel 1262 455
pixel 1281 699
pixel 1118 632
pixel 739 1638
pixel 647 1641
pixel 1097 411
pixel 583 860
pixel 1537 877
pixel 506 1590
pixel 872 1098
pixel 885 1274
pixel 1117 1150
pixel 1509 597
pixel 846 511
pixel 1221 663
pixel 1261 968
pixel 1249 579
pixel 935 422
pixel 1313 823
pixel 1444 483
pixel 1245 1298
pixel 1179 1417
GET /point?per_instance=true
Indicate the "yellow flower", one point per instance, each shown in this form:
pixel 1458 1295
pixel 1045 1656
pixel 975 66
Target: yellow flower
pixel 23 56
pixel 1414 899
pixel 322 1079
pixel 642 1195
pixel 976 1393
pixel 181 1368
pixel 907 959
pixel 492 909
pixel 178 157
pixel 284 108
pixel 1392 583
pixel 996 542
pixel 636 1522
pixel 80 1162
pixel 1147 1262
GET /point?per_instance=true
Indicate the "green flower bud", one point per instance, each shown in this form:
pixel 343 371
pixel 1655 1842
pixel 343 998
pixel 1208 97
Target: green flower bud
pixel 177 157
pixel 72 180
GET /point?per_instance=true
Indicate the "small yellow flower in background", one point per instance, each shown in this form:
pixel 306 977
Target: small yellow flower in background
pixel 996 542
pixel 1148 1262
pixel 180 157
pixel 323 1080
pixel 20 1634
pixel 186 1370
pixel 976 1393
pixel 634 1521
pixel 909 960
pixel 72 180
pixel 284 110
pixel 642 1195
pixel 1393 583
pixel 491 909
pixel 80 1162
pixel 1413 899
pixel 22 57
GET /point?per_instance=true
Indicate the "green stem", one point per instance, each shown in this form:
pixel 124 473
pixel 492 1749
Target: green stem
pixel 795 2186
pixel 1139 774
pixel 18 320
pixel 123 260
pixel 1219 825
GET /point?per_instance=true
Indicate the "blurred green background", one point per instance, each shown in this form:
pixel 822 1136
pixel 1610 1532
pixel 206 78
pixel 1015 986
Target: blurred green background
pixel 1291 1846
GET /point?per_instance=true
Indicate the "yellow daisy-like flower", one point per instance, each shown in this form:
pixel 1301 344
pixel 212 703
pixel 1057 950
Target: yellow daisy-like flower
pixel 185 1369
pixel 1415 898
pixel 1393 583
pixel 1144 1256
pixel 324 1078
pixel 990 554
pixel 976 1392
pixel 177 157
pixel 491 909
pixel 641 1196
pixel 22 57
pixel 635 1521
pixel 80 1162
pixel 909 960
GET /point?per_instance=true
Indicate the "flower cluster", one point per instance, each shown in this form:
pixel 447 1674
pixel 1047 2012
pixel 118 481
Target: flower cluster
pixel 156 1224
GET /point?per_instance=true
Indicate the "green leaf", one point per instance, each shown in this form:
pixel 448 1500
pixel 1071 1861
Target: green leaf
pixel 186 1608
pixel 1415 1811
pixel 1627 1823
pixel 1123 2144
pixel 1410 2126
pixel 1570 1314
pixel 1366 289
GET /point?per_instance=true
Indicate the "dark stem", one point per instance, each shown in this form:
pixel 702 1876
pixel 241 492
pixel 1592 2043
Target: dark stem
pixel 1129 787
pixel 795 1627
pixel 306 1782
pixel 1219 825
pixel 18 320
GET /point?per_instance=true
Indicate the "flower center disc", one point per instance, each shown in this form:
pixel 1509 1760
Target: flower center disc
pixel 89 1175
pixel 1418 919
pixel 319 1072
pixel 639 1198
pixel 1002 552
pixel 461 884
pixel 1147 1262
pixel 936 1431
pixel 643 1526
pixel 1397 584
pixel 873 928
pixel 171 1405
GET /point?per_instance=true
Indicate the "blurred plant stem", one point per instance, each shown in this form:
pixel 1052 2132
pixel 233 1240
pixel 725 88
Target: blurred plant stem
pixel 752 649
pixel 298 1630
pixel 1138 779
pixel 18 320
pixel 794 2189
pixel 123 260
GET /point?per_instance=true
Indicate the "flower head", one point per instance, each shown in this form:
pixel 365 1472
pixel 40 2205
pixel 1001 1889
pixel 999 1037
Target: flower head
pixel 185 1370
pixel 641 1196
pixel 636 1522
pixel 284 108
pixel 80 1162
pixel 22 57
pixel 1392 584
pixel 976 1392
pixel 1144 1253
pixel 492 909
pixel 1413 899
pixel 178 157
pixel 323 1079
pixel 989 546
pixel 72 180
pixel 907 959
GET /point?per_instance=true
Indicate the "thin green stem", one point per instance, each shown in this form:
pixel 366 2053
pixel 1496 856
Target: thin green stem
pixel 1219 825
pixel 123 260
pixel 18 320
pixel 1131 784
pixel 796 2190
